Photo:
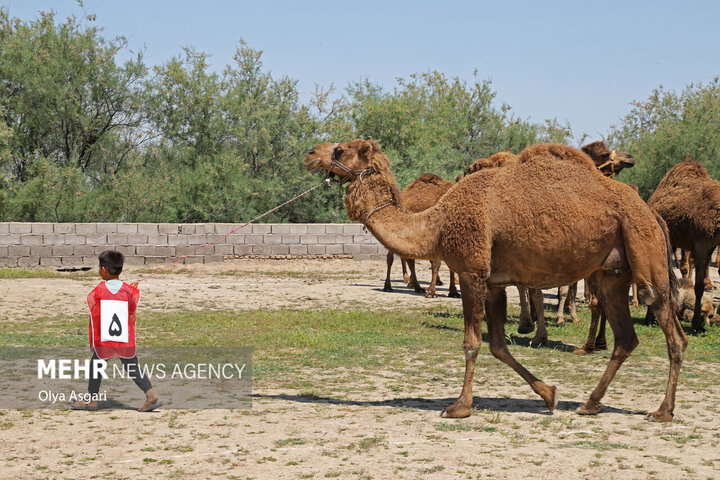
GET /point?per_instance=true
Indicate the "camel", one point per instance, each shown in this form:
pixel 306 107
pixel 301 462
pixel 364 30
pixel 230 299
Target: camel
pixel 686 301
pixel 689 202
pixel 416 197
pixel 502 227
pixel 609 163
pixel 421 194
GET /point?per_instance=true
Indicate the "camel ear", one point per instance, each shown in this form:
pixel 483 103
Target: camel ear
pixel 367 147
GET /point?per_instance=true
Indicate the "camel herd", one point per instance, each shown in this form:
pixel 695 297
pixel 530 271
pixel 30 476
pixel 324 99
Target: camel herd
pixel 547 217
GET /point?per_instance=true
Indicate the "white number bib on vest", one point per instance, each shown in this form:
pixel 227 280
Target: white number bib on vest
pixel 114 321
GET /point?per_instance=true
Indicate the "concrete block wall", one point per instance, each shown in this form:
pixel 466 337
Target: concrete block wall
pixel 73 245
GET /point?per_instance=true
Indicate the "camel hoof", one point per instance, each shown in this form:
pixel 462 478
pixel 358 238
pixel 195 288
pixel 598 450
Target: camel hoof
pixel 406 278
pixel 525 327
pixel 658 416
pixel 552 400
pixel 439 282
pixel 589 408
pixel 419 289
pixel 456 411
pixel 600 345
pixel 536 342
pixel 429 294
pixel 453 294
pixel 387 288
pixel 584 350
pixel 560 321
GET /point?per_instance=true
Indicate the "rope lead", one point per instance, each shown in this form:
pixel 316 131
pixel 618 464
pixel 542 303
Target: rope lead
pixel 324 182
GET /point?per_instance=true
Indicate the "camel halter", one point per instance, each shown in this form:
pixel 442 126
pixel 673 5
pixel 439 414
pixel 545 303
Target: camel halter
pixel 375 210
pixel 351 172
pixel 611 162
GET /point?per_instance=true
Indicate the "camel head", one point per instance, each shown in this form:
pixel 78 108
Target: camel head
pixel 609 162
pixel 348 161
pixel 364 167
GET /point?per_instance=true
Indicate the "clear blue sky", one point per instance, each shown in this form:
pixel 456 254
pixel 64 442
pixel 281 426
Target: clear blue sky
pixel 569 60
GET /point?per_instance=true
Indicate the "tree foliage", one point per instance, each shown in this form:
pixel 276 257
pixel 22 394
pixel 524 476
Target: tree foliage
pixel 669 127
pixel 86 137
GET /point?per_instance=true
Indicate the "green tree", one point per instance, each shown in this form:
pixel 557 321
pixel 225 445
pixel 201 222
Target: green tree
pixel 439 125
pixel 63 93
pixel 667 128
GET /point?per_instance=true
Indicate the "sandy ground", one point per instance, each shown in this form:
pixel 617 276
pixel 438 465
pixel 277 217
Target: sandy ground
pixel 383 426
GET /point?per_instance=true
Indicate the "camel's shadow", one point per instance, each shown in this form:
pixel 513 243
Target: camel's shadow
pixel 493 404
pixel 511 339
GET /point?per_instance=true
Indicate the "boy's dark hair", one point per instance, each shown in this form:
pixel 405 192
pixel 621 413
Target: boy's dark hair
pixel 113 261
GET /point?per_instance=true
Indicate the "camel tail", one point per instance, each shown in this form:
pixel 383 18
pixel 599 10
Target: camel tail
pixel 674 302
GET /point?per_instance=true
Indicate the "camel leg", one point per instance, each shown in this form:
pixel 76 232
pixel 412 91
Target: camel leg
pixel 526 323
pixel 612 295
pixel 562 296
pixel 702 259
pixel 572 294
pixel 388 287
pixel 496 309
pixel 708 282
pixel 635 300
pixel 452 291
pixel 406 277
pixel 413 277
pixel 595 313
pixel 600 340
pixel 473 300
pixel 541 336
pixel 438 282
pixel 676 343
pixel 435 266
pixel 685 263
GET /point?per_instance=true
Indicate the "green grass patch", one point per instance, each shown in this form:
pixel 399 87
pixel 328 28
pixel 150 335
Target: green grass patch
pixel 6 273
pixel 593 445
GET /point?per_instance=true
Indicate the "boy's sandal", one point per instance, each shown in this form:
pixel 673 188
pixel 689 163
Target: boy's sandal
pixel 149 407
pixel 81 405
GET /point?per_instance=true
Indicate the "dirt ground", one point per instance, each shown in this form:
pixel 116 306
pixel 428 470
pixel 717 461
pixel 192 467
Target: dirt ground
pixel 385 427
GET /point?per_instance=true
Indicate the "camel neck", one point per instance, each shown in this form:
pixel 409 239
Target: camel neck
pixel 411 235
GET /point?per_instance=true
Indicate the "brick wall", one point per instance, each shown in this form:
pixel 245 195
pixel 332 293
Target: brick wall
pixel 58 245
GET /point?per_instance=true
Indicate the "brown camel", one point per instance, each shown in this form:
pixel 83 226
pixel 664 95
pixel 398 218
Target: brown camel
pixel 502 227
pixel 689 202
pixel 421 194
pixel 609 163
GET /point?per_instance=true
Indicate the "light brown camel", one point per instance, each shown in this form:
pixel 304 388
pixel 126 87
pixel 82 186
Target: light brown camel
pixel 421 194
pixel 689 202
pixel 686 301
pixel 502 227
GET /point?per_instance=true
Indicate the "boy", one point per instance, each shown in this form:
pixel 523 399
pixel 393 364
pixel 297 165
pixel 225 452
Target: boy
pixel 112 329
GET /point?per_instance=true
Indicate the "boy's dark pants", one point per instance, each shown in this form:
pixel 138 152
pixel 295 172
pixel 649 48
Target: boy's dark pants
pixel 131 367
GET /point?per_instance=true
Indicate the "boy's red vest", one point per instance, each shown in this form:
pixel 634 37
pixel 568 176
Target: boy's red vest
pixel 112 321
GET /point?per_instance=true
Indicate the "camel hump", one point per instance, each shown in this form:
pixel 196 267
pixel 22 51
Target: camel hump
pixel 431 178
pixel 689 170
pixel 542 152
